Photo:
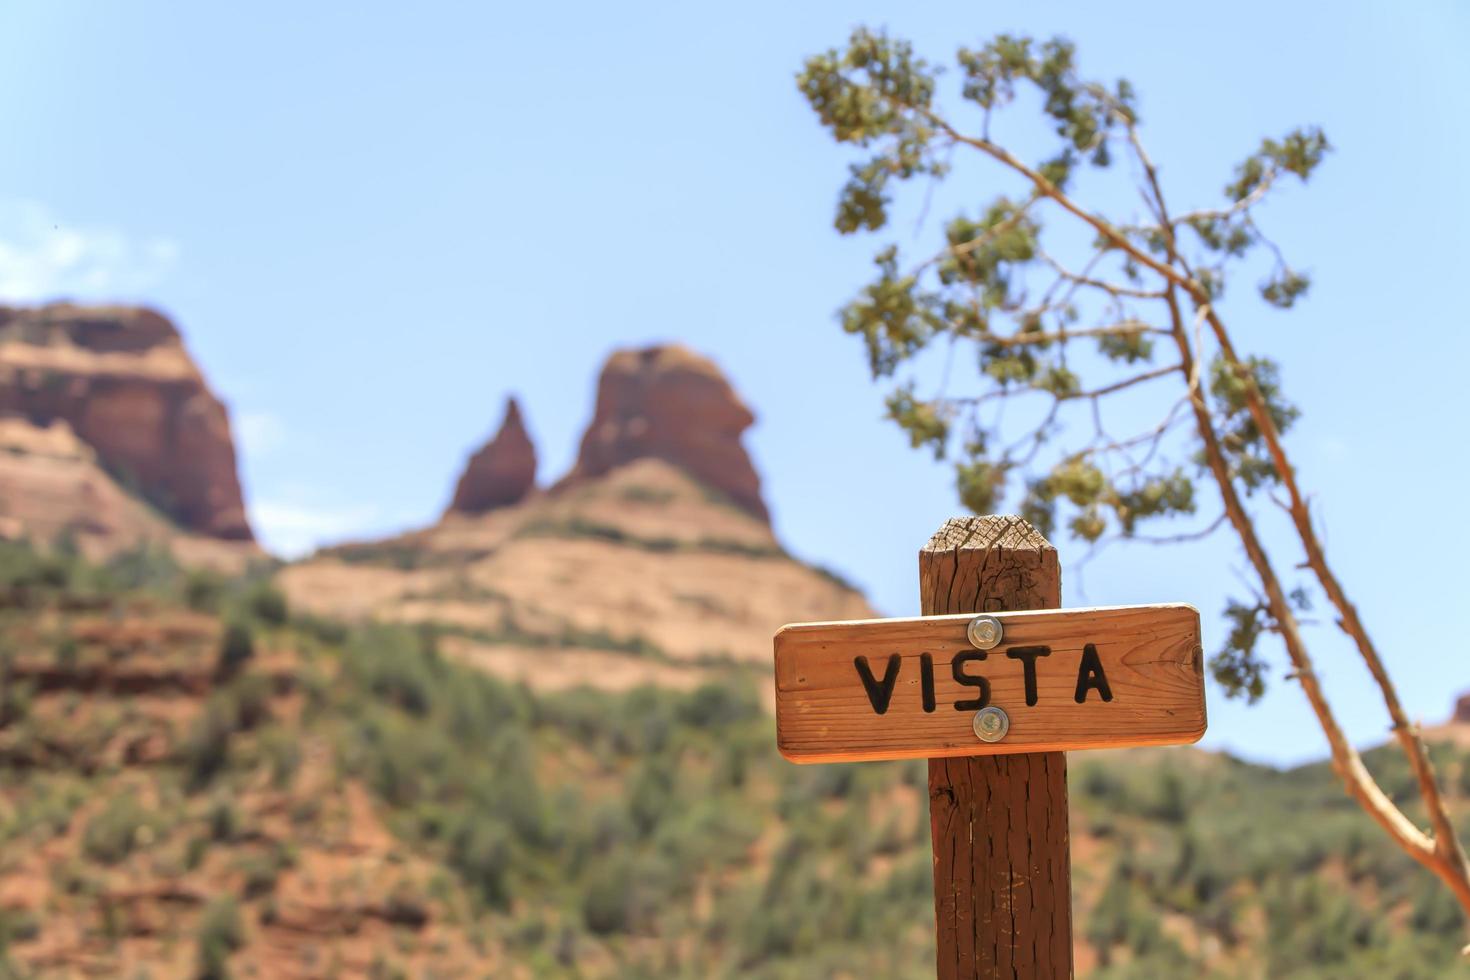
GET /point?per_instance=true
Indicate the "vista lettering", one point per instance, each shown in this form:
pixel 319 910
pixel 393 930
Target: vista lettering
pixel 964 669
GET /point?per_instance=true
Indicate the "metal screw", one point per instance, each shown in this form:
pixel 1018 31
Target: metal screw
pixel 984 632
pixel 991 724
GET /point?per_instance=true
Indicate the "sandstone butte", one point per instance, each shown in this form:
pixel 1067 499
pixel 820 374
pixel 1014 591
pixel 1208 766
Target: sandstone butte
pixel 502 472
pixel 652 561
pixel 668 403
pixel 121 380
pixel 112 433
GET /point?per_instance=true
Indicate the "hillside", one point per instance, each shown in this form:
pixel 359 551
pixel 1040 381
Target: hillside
pixel 200 780
pixel 531 739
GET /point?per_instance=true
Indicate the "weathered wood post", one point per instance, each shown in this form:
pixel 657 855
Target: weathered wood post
pixel 1002 871
pixel 993 684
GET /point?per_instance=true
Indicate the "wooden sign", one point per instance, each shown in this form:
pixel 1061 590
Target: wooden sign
pixel 1064 679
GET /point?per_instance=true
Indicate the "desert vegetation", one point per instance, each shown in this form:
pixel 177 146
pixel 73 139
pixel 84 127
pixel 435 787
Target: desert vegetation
pixel 193 792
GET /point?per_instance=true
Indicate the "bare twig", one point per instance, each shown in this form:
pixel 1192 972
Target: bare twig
pixel 1111 288
pixel 1199 535
pixel 1118 386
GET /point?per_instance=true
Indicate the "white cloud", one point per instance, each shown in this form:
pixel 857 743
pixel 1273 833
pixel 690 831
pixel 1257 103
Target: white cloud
pixel 292 529
pixel 41 258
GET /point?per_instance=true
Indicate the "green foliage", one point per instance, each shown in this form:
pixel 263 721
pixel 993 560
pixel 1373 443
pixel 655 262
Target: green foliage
pixel 1240 436
pixel 224 819
pixel 17 925
pixel 239 706
pixel 1079 481
pixel 1298 153
pixel 1284 288
pixel 23 569
pixel 148 567
pixel 267 604
pixel 981 484
pixel 221 932
pixel 623 894
pixel 894 318
pixel 122 826
pixel 203 591
pixel 236 648
pixel 658 832
pixel 894 83
pixel 923 421
pixel 1236 667
pixel 1067 327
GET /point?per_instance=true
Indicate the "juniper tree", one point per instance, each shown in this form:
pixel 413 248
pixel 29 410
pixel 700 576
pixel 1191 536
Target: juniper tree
pixel 1067 309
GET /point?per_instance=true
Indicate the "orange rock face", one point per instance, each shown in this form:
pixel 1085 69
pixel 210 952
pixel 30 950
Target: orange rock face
pixel 669 403
pixel 123 382
pixel 1462 709
pixel 502 473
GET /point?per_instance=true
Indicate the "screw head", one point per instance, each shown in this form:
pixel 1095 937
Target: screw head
pixel 991 724
pixel 984 632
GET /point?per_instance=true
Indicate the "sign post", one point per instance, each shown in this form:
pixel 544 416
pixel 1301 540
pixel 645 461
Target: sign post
pixel 993 685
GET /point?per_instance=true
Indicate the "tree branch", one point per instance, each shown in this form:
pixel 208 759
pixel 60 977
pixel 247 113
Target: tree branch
pixel 1443 854
pixel 1111 288
pixel 1125 329
pixel 1118 386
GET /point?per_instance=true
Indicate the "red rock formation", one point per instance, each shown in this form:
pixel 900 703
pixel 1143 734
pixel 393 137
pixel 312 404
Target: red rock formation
pixel 502 473
pixel 671 404
pixel 122 380
pixel 1462 709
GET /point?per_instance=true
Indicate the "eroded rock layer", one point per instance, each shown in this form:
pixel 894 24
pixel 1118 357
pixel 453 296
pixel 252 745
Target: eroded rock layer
pixel 669 403
pixel 122 381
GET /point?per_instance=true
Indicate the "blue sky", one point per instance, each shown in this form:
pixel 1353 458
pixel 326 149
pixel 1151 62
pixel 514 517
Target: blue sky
pixel 374 221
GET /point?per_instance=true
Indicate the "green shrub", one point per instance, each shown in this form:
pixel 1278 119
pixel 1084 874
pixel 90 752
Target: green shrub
pixel 479 850
pixel 67 652
pixel 23 569
pixel 607 901
pixel 203 591
pixel 718 706
pixel 406 905
pixel 17 925
pixel 117 830
pixel 328 631
pixel 282 750
pixel 259 874
pixel 15 698
pixel 148 566
pixel 237 647
pixel 396 666
pixel 206 749
pixel 194 852
pixel 268 604
pixel 221 932
pixel 223 819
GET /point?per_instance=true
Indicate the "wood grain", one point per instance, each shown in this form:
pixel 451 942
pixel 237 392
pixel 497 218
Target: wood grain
pixel 1002 871
pixel 1150 657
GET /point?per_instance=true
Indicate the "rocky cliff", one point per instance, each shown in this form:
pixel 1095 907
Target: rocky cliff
pixel 121 381
pixel 502 472
pixel 634 569
pixel 1462 709
pixel 671 404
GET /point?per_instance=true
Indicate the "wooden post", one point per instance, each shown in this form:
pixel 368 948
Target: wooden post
pixel 1002 871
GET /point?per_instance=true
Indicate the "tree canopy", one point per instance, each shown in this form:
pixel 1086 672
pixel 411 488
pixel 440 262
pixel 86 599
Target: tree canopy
pixel 1078 311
